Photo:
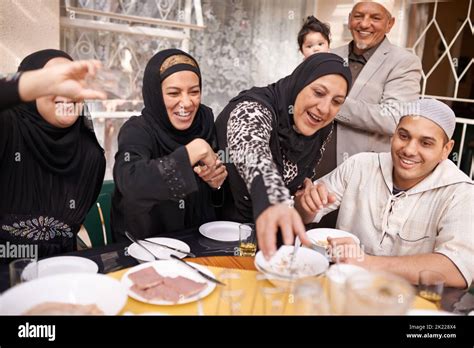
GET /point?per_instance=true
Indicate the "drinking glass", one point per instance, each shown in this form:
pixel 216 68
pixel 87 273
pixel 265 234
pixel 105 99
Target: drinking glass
pixel 247 240
pixel 231 295
pixel 378 293
pixel 431 286
pixel 22 270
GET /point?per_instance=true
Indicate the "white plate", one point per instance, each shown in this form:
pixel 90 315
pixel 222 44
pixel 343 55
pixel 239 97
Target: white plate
pixel 308 262
pixel 322 234
pixel 224 231
pixel 75 288
pixel 171 268
pixel 65 264
pixel 142 255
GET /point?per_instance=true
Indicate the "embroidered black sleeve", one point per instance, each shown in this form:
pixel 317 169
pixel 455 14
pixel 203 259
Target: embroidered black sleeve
pixel 179 180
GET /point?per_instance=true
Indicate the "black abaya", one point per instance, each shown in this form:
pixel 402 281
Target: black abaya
pixel 156 189
pixel 49 176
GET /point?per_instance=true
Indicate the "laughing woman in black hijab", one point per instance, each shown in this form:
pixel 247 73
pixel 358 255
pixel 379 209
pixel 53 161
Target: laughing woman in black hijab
pixel 51 168
pixel 275 137
pixel 160 188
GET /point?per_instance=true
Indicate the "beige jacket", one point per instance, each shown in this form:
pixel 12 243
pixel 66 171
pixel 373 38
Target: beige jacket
pixel 370 113
pixel 437 215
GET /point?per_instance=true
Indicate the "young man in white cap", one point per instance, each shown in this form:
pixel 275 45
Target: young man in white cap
pixel 383 75
pixel 412 209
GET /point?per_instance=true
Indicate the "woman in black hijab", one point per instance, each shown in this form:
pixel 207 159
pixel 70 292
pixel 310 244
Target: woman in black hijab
pixel 275 137
pixel 159 188
pixel 51 168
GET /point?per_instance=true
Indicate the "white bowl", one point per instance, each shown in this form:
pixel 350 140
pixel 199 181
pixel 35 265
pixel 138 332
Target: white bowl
pixel 308 263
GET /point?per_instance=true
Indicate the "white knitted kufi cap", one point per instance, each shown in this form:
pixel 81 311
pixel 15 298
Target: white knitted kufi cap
pixel 388 4
pixel 435 111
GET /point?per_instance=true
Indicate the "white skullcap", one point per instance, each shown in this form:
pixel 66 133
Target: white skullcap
pixel 435 111
pixel 388 4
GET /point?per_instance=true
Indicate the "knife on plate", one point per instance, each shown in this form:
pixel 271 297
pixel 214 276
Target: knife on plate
pixel 189 254
pixel 202 274
pixel 134 240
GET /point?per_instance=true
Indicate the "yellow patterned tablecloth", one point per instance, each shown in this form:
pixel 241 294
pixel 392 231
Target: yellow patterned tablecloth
pixel 251 302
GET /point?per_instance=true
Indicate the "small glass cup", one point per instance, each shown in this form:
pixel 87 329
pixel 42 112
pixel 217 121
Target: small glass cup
pixel 431 286
pixel 22 270
pixel 231 296
pixel 378 293
pixel 274 300
pixel 337 276
pixel 247 240
pixel 310 298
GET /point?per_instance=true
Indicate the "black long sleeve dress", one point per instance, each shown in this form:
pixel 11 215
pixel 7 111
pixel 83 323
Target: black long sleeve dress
pixel 155 193
pixel 156 189
pixel 9 94
pixel 49 176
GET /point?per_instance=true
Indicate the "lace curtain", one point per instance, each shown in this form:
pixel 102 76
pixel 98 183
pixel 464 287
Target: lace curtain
pixel 246 43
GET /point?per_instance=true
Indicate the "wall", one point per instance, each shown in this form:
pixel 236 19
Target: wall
pixel 26 26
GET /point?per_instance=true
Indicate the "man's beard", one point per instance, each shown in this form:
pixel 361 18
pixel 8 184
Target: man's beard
pixel 362 46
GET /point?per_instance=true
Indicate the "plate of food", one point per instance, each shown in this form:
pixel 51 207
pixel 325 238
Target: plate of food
pixel 65 294
pixel 167 283
pixel 223 231
pixel 308 263
pixel 319 236
pixel 161 252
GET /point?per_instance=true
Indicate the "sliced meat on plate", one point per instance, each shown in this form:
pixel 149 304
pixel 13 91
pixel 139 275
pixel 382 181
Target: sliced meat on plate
pixel 160 292
pixel 184 286
pixel 146 278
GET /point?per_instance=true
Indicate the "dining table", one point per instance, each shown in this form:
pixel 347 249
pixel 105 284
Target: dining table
pixel 218 257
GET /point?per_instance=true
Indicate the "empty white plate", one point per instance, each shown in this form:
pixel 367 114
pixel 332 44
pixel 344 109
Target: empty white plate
pixel 137 252
pixel 224 231
pixel 65 264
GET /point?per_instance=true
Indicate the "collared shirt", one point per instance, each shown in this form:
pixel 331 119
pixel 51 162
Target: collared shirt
pixel 357 62
pixel 435 216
